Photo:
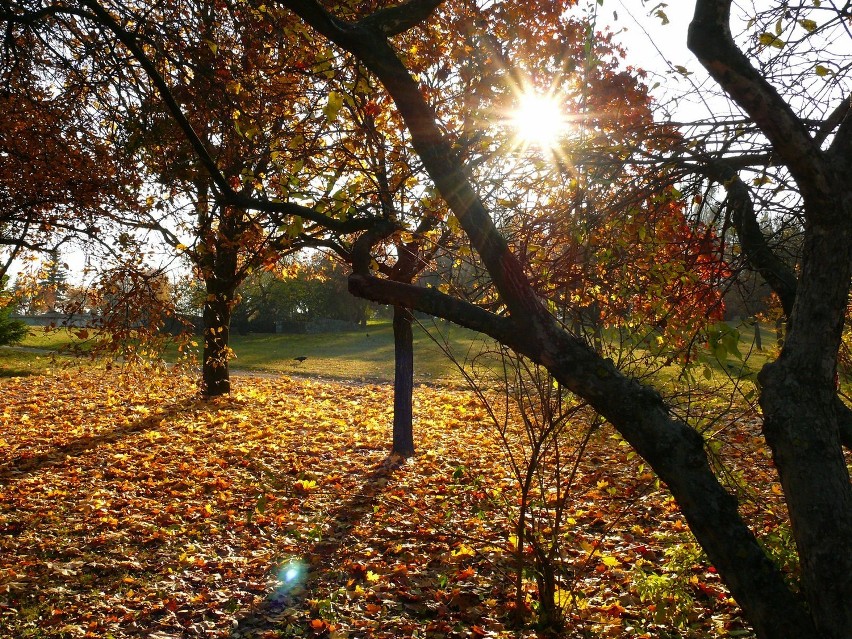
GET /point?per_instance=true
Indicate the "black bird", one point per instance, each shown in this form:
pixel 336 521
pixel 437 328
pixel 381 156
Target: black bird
pixel 300 358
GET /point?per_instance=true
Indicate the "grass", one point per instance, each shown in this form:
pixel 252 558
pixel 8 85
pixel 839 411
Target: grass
pixel 15 363
pixel 367 354
pixel 363 355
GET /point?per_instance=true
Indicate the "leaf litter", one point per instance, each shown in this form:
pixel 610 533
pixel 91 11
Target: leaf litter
pixel 130 507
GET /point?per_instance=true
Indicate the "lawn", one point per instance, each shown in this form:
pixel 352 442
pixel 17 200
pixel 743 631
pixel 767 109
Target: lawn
pixel 368 354
pixel 360 355
pixel 129 507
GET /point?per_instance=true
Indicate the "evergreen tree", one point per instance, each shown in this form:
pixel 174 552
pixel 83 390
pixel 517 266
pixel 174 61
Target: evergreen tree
pixel 11 331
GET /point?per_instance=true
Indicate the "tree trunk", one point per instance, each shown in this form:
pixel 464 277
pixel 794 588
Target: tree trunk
pixel 217 330
pixel 801 427
pixel 403 383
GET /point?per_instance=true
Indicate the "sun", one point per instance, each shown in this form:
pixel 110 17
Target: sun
pixel 539 120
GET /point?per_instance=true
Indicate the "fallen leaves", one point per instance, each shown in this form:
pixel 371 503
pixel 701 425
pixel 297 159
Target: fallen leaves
pixel 131 508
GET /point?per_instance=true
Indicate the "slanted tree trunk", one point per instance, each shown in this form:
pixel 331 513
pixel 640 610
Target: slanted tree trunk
pixel 403 383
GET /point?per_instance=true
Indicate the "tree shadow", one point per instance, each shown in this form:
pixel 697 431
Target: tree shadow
pixel 19 467
pixel 271 613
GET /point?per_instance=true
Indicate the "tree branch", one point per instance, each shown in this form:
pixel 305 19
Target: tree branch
pixel 711 41
pixel 392 21
pixel 105 19
pixel 432 301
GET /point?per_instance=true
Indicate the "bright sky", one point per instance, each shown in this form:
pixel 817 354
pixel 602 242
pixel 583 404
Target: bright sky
pixel 644 34
pixel 659 48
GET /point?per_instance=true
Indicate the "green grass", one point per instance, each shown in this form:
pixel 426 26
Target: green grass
pixel 41 351
pixel 20 364
pixel 363 354
pixel 366 354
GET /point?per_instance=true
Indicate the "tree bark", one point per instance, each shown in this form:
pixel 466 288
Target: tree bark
pixel 403 383
pixel 802 423
pixel 215 374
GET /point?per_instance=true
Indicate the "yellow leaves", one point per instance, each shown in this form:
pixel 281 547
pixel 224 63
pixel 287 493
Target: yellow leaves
pixel 809 25
pixel 172 492
pixel 333 105
pixel 771 40
pixel 462 551
pixel 304 486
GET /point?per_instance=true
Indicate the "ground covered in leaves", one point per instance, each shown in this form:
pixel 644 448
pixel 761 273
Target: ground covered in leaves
pixel 129 507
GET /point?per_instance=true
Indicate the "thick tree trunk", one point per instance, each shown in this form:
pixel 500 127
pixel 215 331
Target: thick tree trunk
pixel 403 383
pixel 802 419
pixel 217 331
pixel 801 426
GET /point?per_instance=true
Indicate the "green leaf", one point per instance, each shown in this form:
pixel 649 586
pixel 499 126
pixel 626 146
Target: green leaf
pixel 809 25
pixel 332 106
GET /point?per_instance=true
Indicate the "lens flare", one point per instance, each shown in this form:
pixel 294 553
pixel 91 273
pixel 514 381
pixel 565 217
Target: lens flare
pixel 291 575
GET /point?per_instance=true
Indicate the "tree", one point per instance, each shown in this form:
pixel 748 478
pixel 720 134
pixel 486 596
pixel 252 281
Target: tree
pixel 188 109
pixel 57 180
pixel 804 420
pixel 11 331
pixel 814 478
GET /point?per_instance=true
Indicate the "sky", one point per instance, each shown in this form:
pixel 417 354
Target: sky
pixel 659 48
pixel 643 33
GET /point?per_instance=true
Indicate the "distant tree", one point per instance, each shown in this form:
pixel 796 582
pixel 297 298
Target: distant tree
pixel 53 286
pixel 11 331
pixel 303 290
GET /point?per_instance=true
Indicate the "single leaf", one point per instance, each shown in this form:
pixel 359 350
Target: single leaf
pixel 771 40
pixel 333 106
pixel 809 25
